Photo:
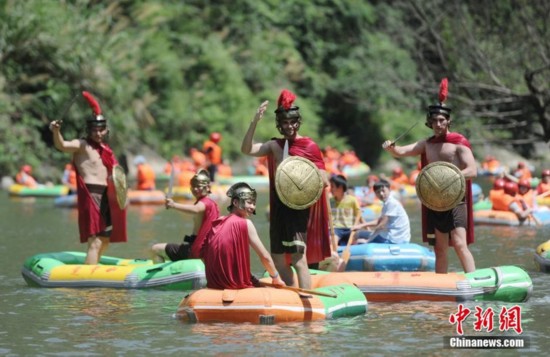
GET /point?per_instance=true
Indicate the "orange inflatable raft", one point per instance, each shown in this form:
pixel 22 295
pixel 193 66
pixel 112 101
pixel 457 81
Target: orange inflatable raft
pixel 271 305
pixel 141 197
pixel 503 283
pixel 505 218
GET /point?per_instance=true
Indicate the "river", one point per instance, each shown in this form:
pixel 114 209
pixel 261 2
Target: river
pixel 89 322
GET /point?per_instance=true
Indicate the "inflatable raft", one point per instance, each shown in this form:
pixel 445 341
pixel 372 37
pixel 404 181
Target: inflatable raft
pixel 271 305
pixel 542 257
pixel 140 197
pixel 389 257
pixel 135 197
pixel 405 192
pixel 67 269
pixel 256 181
pixel 506 218
pixel 483 205
pixel 360 169
pixel 503 283
pixel 67 201
pixel 40 191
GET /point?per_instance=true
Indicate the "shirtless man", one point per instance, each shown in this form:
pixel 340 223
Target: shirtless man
pixel 290 230
pixel 100 220
pixel 455 226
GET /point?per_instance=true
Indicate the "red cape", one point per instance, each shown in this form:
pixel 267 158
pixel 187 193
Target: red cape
pixel 226 254
pixel 457 139
pixel 211 212
pixel 89 219
pixel 318 237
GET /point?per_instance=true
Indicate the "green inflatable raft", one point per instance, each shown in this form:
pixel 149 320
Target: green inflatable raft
pixel 67 269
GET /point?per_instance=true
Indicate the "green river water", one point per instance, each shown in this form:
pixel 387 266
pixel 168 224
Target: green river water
pixel 107 322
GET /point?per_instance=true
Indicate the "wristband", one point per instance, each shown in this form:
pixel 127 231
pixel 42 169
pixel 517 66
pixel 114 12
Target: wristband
pixel 274 276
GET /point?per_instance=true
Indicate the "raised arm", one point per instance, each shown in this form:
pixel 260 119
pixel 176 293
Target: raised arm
pixel 413 149
pixel 196 208
pixel 263 254
pixel 247 146
pixel 60 143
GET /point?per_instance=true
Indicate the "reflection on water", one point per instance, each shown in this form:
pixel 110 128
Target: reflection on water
pixel 109 322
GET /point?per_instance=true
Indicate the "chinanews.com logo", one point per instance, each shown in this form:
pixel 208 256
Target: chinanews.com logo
pixel 509 320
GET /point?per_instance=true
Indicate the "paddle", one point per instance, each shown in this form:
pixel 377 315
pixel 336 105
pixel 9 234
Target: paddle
pixel 511 178
pixel 170 192
pixel 333 241
pixel 346 254
pixel 404 133
pixel 300 290
pixel 536 220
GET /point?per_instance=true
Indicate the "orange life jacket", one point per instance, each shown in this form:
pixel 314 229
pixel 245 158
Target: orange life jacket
pixel 199 159
pixel 184 178
pixel 25 179
pixel 145 177
pixel 213 152
pixel 501 201
pixel 528 198
pixel 543 187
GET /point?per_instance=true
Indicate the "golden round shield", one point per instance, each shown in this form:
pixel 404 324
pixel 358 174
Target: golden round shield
pixel 440 186
pixel 298 182
pixel 121 188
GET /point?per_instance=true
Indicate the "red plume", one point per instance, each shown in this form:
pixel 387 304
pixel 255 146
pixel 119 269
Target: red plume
pixel 92 102
pixel 286 98
pixel 443 90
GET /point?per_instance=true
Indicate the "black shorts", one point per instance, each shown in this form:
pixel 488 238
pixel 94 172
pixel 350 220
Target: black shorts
pixel 182 251
pixel 288 228
pixel 446 221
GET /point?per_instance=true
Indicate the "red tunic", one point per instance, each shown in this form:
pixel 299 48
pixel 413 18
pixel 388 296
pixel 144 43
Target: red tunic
pixel 226 254
pixel 457 139
pixel 90 221
pixel 211 212
pixel 318 237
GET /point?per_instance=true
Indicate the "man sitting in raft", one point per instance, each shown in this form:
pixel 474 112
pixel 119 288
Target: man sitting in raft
pixel 345 209
pixel 204 212
pixel 100 219
pixel 515 203
pixel 392 226
pixel 225 250
pixel 24 177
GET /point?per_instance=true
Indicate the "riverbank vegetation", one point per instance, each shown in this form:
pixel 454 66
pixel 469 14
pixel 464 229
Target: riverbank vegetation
pixel 169 72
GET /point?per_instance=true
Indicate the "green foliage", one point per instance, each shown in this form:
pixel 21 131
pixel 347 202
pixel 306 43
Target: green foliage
pixel 167 72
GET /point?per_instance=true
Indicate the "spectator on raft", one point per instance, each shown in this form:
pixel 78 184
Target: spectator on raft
pixel 522 171
pixel 24 177
pixel 398 178
pixel 544 185
pixel 213 152
pixel 526 194
pixel 345 209
pixel 393 226
pixel 497 196
pixel 69 177
pixel 145 174
pixel 515 203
